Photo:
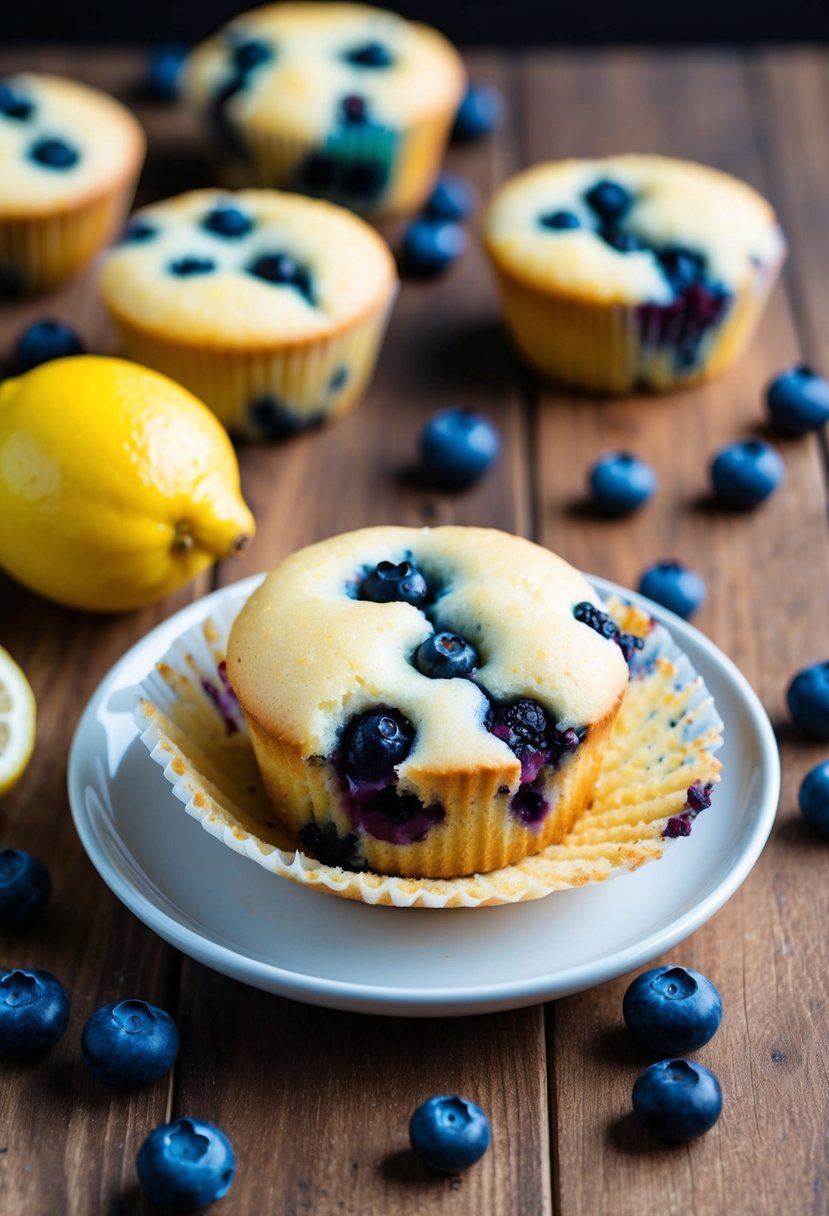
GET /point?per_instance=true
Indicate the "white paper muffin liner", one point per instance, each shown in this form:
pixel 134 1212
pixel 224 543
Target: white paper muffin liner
pixel 663 744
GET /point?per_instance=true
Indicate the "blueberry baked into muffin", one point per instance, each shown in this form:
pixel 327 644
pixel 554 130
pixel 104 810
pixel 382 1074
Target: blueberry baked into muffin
pixel 427 703
pixel 69 162
pixel 270 307
pixel 631 272
pixel 341 101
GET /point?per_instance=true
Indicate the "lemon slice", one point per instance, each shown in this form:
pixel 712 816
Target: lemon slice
pixel 17 722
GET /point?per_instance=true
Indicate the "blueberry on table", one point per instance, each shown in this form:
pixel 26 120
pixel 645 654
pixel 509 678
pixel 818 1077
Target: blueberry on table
pixel 444 656
pixel 163 79
pixel 25 887
pixel 672 1009
pixel 677 1099
pixel 814 798
pixel 431 246
pixel 798 401
pixel 390 583
pixel 480 113
pixel 808 698
pixel 744 474
pixel 44 340
pixel 451 199
pixel 621 482
pixel 457 446
pixel 130 1043
pixel 34 1012
pixel 449 1133
pixel 674 586
pixel 185 1165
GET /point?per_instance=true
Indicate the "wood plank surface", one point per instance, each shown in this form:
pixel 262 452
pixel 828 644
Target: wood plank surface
pixel 317 1102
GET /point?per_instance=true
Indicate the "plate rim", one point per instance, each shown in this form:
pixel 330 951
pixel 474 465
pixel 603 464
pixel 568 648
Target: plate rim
pixel 423 1001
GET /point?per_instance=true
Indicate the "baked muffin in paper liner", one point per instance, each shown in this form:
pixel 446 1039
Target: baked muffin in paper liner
pixel 657 775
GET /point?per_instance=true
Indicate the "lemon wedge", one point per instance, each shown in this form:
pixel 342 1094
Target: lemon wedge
pixel 17 722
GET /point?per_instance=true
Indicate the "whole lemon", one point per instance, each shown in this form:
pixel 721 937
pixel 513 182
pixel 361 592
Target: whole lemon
pixel 116 484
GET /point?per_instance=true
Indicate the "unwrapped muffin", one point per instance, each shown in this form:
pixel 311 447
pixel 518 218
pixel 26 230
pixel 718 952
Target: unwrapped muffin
pixel 270 307
pixel 342 101
pixel 631 272
pixel 70 157
pixel 427 702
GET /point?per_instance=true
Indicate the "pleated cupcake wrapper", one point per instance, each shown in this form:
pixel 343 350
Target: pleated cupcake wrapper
pixel 252 390
pixel 612 348
pixel 410 160
pixel 39 252
pixel 664 741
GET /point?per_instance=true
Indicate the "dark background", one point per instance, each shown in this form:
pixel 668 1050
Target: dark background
pixel 496 22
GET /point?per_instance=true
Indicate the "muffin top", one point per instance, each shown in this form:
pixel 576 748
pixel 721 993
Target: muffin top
pixel 309 651
pixel 60 143
pixel 630 229
pixel 247 268
pixel 302 67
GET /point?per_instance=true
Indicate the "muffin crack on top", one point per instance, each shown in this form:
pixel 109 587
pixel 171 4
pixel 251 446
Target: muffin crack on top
pixel 436 701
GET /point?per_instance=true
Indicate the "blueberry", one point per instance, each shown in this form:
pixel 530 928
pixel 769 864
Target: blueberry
pixel 798 401
pixel 34 1012
pixel 672 1009
pixel 137 232
pixel 745 473
pixel 449 1133
pixel 621 241
pixel 283 271
pixel 431 246
pixel 604 625
pixel 227 221
pixel 521 724
pixel 370 55
pixel 621 482
pixel 808 698
pixel 25 888
pixel 814 798
pixel 186 1165
pixel 54 154
pixel 481 111
pixel 443 656
pixel 682 267
pixel 375 743
pixel 677 1099
pixel 559 221
pixel 249 54
pixel 190 264
pixel 610 200
pixel 451 199
pixel 388 583
pixel 354 110
pixel 129 1043
pixel 163 79
pixel 457 447
pixel 45 340
pixel 673 586
pixel 14 104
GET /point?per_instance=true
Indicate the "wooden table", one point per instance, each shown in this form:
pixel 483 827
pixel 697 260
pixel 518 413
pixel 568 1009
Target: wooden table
pixel 317 1102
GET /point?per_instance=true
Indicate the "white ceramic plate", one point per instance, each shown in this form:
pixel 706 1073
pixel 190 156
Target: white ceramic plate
pixel 226 912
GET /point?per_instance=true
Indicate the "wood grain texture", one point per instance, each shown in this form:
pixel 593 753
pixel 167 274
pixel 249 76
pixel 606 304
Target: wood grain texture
pixel 317 1102
pixel 767 609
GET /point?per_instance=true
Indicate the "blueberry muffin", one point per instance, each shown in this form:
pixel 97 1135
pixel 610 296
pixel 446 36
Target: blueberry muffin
pixel 69 162
pixel 427 703
pixel 269 307
pixel 631 272
pixel 341 101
